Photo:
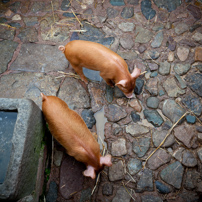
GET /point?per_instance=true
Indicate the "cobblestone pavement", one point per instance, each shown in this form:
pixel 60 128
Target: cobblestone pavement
pixel 162 37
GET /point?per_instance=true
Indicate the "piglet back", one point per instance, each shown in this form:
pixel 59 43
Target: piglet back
pixel 69 129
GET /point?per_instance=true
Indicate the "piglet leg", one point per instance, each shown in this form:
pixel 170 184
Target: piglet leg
pixel 79 71
pixel 106 160
pixel 89 172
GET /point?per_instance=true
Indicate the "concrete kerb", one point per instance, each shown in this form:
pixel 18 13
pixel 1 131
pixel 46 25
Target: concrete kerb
pixel 21 177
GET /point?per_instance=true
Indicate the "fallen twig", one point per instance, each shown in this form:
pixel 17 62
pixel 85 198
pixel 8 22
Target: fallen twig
pixel 77 18
pixel 7 26
pixel 78 30
pixel 128 191
pixel 68 75
pixel 143 72
pixel 53 11
pixel 98 177
pixel 169 132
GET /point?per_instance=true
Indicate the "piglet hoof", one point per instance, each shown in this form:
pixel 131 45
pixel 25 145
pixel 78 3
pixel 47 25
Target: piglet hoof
pixel 85 80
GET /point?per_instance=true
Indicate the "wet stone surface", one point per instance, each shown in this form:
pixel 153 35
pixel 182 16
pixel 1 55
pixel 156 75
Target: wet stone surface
pixel 162 37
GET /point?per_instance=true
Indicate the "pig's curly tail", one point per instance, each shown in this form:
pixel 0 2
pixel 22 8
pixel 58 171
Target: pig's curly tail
pixel 61 48
pixel 43 97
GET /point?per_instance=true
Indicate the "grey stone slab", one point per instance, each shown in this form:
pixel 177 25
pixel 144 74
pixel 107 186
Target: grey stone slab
pixel 127 12
pixel 129 55
pixel 116 171
pixel 86 195
pixel 21 175
pixel 71 176
pixel 39 58
pixel 134 166
pixel 141 146
pixel 158 39
pixel 57 158
pixel 28 85
pixel 28 34
pixel 147 10
pixel 188 159
pixel 88 116
pixel 181 69
pixel 52 192
pixel 194 82
pixel 73 93
pixel 7 33
pixel 164 68
pixel 30 21
pixel 151 198
pixel 189 196
pixel 152 86
pixel 65 5
pixel 193 103
pixel 159 135
pixel 8 48
pixel 170 5
pixel 171 87
pixel 135 129
pixel 114 113
pixel 159 158
pixel 162 188
pixel 119 147
pixel 199 152
pixel 107 189
pixel 151 55
pixel 195 11
pixel 181 82
pixel 185 133
pixel 112 13
pixel 143 35
pixel 121 195
pixel 117 2
pixel 127 42
pixel 172 110
pixel 126 26
pixel 181 28
pixel 153 117
pixel 95 34
pixel 56 34
pixel 152 102
pixel 146 181
pixel 173 174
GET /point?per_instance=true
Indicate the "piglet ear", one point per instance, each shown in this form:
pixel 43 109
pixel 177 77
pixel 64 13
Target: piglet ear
pixel 121 83
pixel 136 72
pixel 106 160
pixel 89 172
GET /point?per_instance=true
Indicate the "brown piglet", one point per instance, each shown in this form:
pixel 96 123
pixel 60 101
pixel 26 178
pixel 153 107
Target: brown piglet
pixel 113 68
pixel 69 129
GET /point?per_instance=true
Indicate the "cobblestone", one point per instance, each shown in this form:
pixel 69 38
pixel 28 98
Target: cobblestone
pixel 162 37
